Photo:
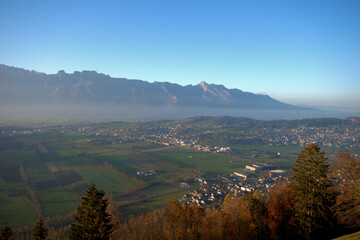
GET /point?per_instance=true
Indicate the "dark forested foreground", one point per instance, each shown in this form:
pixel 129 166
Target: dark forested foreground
pixel 320 202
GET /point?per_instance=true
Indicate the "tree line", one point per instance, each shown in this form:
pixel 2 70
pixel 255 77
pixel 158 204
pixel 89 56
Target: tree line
pixel 320 201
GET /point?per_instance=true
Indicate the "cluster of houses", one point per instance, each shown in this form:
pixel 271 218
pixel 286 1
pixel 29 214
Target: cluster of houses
pixel 198 147
pixel 148 172
pixel 249 170
pixel 330 136
pixel 192 145
pixel 206 192
pixel 15 131
pixel 96 141
pixel 179 135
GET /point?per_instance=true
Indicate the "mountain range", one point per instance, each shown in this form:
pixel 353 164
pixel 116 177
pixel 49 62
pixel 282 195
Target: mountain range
pixel 89 93
pixel 89 87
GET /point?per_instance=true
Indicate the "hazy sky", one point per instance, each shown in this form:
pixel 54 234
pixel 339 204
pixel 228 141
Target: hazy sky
pixel 300 52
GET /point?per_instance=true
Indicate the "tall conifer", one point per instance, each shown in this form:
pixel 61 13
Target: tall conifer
pixel 311 192
pixel 6 233
pixel 92 219
pixel 39 231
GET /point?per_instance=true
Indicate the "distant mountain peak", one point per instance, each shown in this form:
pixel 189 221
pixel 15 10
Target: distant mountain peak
pixel 203 84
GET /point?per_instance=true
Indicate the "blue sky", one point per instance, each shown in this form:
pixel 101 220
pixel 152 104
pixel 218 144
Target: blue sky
pixel 299 52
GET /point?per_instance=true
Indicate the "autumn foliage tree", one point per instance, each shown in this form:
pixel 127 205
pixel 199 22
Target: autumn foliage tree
pixel 213 225
pixel 281 216
pixel 173 214
pixel 237 219
pixel 147 226
pixel 183 221
pixel 346 171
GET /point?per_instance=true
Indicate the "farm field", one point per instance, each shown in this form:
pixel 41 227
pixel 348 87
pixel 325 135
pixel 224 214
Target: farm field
pixel 209 163
pixel 46 175
pixel 59 168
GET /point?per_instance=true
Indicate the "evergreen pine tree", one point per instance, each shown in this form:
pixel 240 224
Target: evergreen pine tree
pixel 6 233
pixel 39 231
pixel 311 192
pixel 92 219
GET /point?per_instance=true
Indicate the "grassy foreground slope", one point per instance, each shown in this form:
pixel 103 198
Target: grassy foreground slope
pixel 353 236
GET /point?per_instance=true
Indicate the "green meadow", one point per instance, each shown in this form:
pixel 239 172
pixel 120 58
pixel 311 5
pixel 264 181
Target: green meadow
pixel 209 163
